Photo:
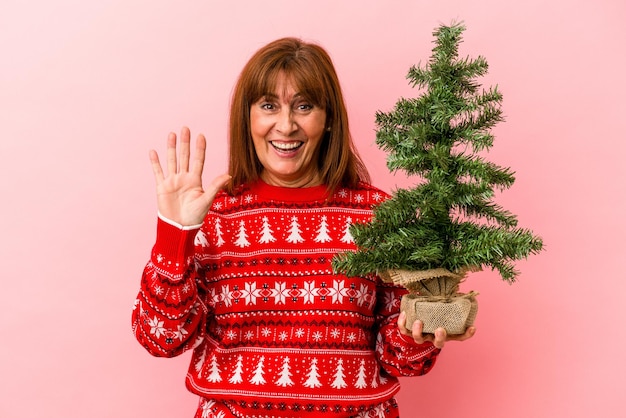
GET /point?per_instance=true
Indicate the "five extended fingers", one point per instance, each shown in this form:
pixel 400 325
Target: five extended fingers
pixel 178 159
pixel 181 196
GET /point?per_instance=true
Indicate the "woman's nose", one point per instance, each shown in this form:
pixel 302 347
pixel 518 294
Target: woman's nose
pixel 286 124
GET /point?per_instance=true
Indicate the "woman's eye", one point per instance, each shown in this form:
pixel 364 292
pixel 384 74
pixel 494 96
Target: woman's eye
pixel 267 106
pixel 304 107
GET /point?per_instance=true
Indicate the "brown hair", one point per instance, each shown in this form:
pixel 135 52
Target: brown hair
pixel 311 70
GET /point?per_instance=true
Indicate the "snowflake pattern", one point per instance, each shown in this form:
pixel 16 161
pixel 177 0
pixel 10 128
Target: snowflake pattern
pixel 156 327
pixel 282 293
pixel 181 332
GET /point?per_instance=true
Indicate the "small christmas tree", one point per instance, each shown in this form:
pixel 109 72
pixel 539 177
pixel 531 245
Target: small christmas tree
pixel 447 224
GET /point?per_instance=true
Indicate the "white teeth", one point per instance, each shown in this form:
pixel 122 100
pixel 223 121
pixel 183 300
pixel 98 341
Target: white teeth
pixel 286 146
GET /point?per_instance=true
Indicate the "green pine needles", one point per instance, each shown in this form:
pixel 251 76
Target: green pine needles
pixel 448 219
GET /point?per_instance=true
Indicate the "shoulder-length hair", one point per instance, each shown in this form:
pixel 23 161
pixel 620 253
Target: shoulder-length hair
pixel 311 70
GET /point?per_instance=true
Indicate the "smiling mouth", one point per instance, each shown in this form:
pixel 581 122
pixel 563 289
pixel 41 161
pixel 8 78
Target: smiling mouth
pixel 286 146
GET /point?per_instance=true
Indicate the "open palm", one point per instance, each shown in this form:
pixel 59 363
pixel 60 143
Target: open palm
pixel 180 195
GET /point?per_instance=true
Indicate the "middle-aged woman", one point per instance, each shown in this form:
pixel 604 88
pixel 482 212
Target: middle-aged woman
pixel 240 271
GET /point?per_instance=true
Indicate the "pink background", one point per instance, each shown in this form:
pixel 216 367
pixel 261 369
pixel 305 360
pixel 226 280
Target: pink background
pixel 87 87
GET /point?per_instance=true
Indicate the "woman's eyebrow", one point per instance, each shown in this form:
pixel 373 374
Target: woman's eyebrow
pixel 274 96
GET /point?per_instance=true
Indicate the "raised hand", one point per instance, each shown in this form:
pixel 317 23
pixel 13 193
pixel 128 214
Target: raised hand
pixel 180 195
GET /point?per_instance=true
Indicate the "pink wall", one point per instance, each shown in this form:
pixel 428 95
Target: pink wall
pixel 87 87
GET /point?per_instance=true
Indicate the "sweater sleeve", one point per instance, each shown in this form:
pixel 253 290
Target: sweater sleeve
pixel 398 354
pixel 168 314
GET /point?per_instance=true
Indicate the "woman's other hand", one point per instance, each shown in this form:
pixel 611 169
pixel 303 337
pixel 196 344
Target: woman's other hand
pixel 439 338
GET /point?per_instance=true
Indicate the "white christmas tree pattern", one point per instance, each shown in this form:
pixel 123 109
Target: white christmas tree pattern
pixel 242 236
pixel 322 231
pixel 257 377
pixel 374 380
pixel 218 233
pixel 271 231
pixel 266 232
pixel 200 363
pixel 339 382
pixel 201 239
pixel 382 379
pixel 295 236
pixel 236 377
pixel 361 383
pixel 313 376
pixel 347 236
pixel 285 374
pixel 215 371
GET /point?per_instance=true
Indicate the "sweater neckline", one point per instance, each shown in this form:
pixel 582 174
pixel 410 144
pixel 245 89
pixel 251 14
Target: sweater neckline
pixel 290 194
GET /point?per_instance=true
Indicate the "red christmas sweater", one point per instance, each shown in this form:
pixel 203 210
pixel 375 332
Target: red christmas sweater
pixel 274 331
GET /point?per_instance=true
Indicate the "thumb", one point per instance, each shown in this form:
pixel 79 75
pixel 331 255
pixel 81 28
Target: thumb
pixel 217 184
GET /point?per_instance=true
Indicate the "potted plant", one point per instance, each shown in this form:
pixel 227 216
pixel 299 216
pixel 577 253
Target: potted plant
pixel 427 238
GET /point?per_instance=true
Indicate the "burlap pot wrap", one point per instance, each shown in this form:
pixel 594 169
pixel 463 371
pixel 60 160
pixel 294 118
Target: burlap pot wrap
pixel 407 277
pixel 432 282
pixel 454 314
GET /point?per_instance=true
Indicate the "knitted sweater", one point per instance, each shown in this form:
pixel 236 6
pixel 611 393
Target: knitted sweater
pixel 274 331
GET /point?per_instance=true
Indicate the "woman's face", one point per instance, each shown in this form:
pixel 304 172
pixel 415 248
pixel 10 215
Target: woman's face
pixel 287 131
